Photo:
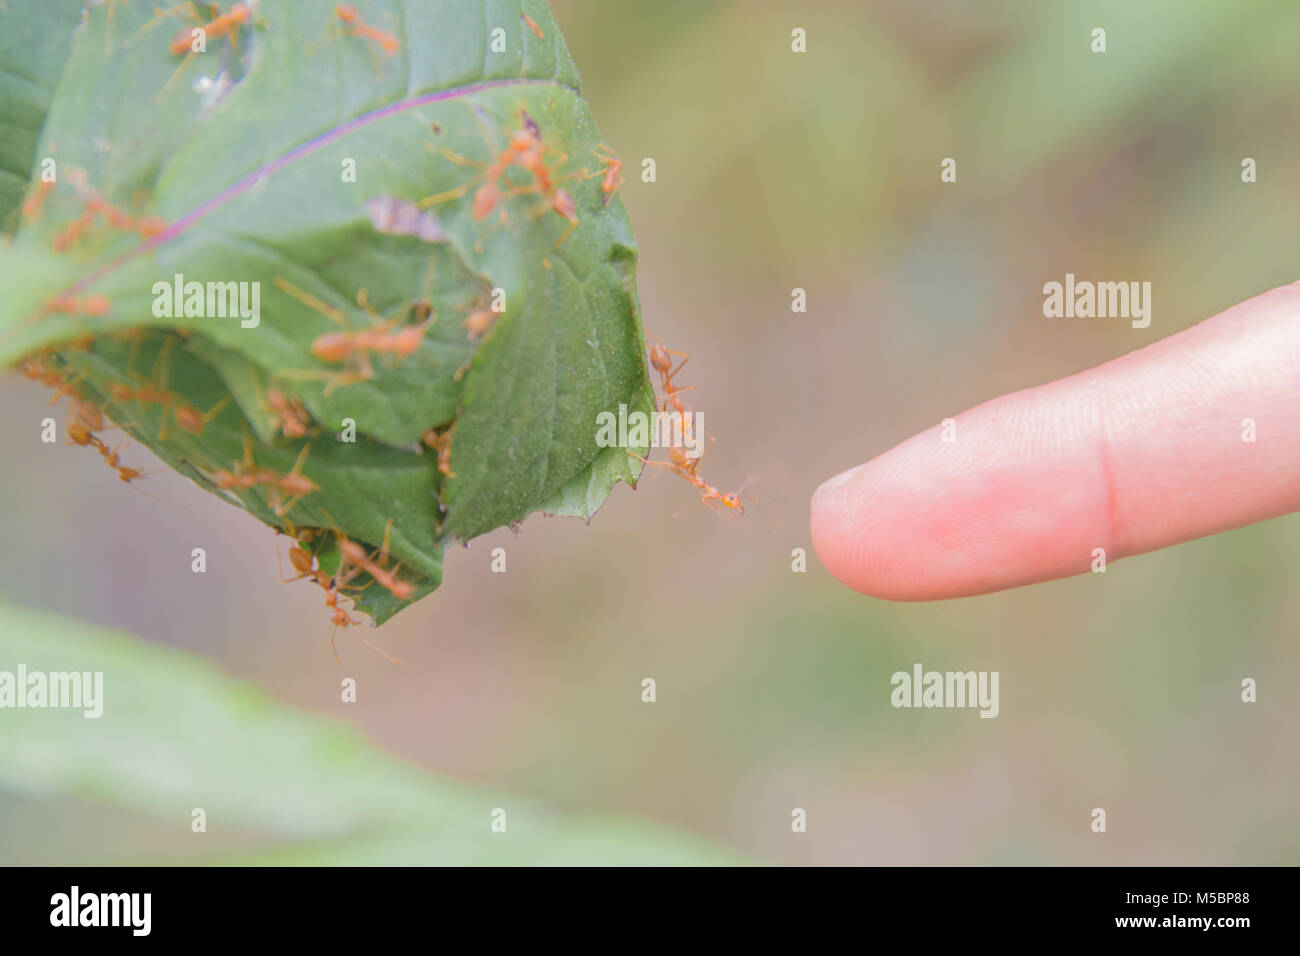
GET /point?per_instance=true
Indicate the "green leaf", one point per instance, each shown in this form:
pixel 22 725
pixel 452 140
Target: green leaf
pixel 176 734
pixel 334 188
pixel 34 39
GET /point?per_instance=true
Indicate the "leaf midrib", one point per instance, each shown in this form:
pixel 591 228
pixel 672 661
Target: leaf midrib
pixel 302 150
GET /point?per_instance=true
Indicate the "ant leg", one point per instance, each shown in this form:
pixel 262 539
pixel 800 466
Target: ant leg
pixel 175 73
pixel 673 390
pixel 685 358
pixel 660 464
pixel 340 379
pixel 247 461
pixel 67 388
pixel 455 157
pixel 383 551
pixel 193 422
pixel 447 195
pixel 298 462
pixel 573 224
pixel 162 378
pixel 379 651
pixel 160 15
pixel 309 300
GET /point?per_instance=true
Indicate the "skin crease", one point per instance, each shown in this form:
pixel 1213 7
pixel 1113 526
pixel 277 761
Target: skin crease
pixel 1134 455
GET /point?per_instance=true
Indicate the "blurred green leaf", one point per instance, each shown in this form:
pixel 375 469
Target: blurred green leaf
pixel 34 39
pixel 175 734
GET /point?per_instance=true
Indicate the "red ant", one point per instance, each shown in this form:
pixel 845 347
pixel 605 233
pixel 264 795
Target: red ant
pixel 293 417
pixel 80 411
pixel 612 171
pixel 683 464
pixel 248 475
pixel 93 208
pixel 186 416
pixel 219 26
pixel 306 566
pixel 661 360
pixel 526 150
pixel 441 443
pixel 375 564
pixel 35 367
pixel 349 15
pixel 87 305
pixel 479 322
pixel 32 205
pixel 354 347
pixel 79 434
pixel 730 499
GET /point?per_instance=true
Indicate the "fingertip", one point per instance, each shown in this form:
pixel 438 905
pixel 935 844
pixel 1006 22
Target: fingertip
pixel 837 537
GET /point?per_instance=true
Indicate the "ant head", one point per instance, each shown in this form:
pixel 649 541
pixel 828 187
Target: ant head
pixel 346 12
pixel 564 205
pixel 660 359
pixel 485 200
pixel 522 140
pixel 732 501
pixel 478 323
pixel 190 419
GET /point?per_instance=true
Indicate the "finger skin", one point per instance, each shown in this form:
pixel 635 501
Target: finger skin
pixel 1137 454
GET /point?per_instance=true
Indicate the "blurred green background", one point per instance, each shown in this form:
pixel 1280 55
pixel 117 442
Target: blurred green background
pixel 777 171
